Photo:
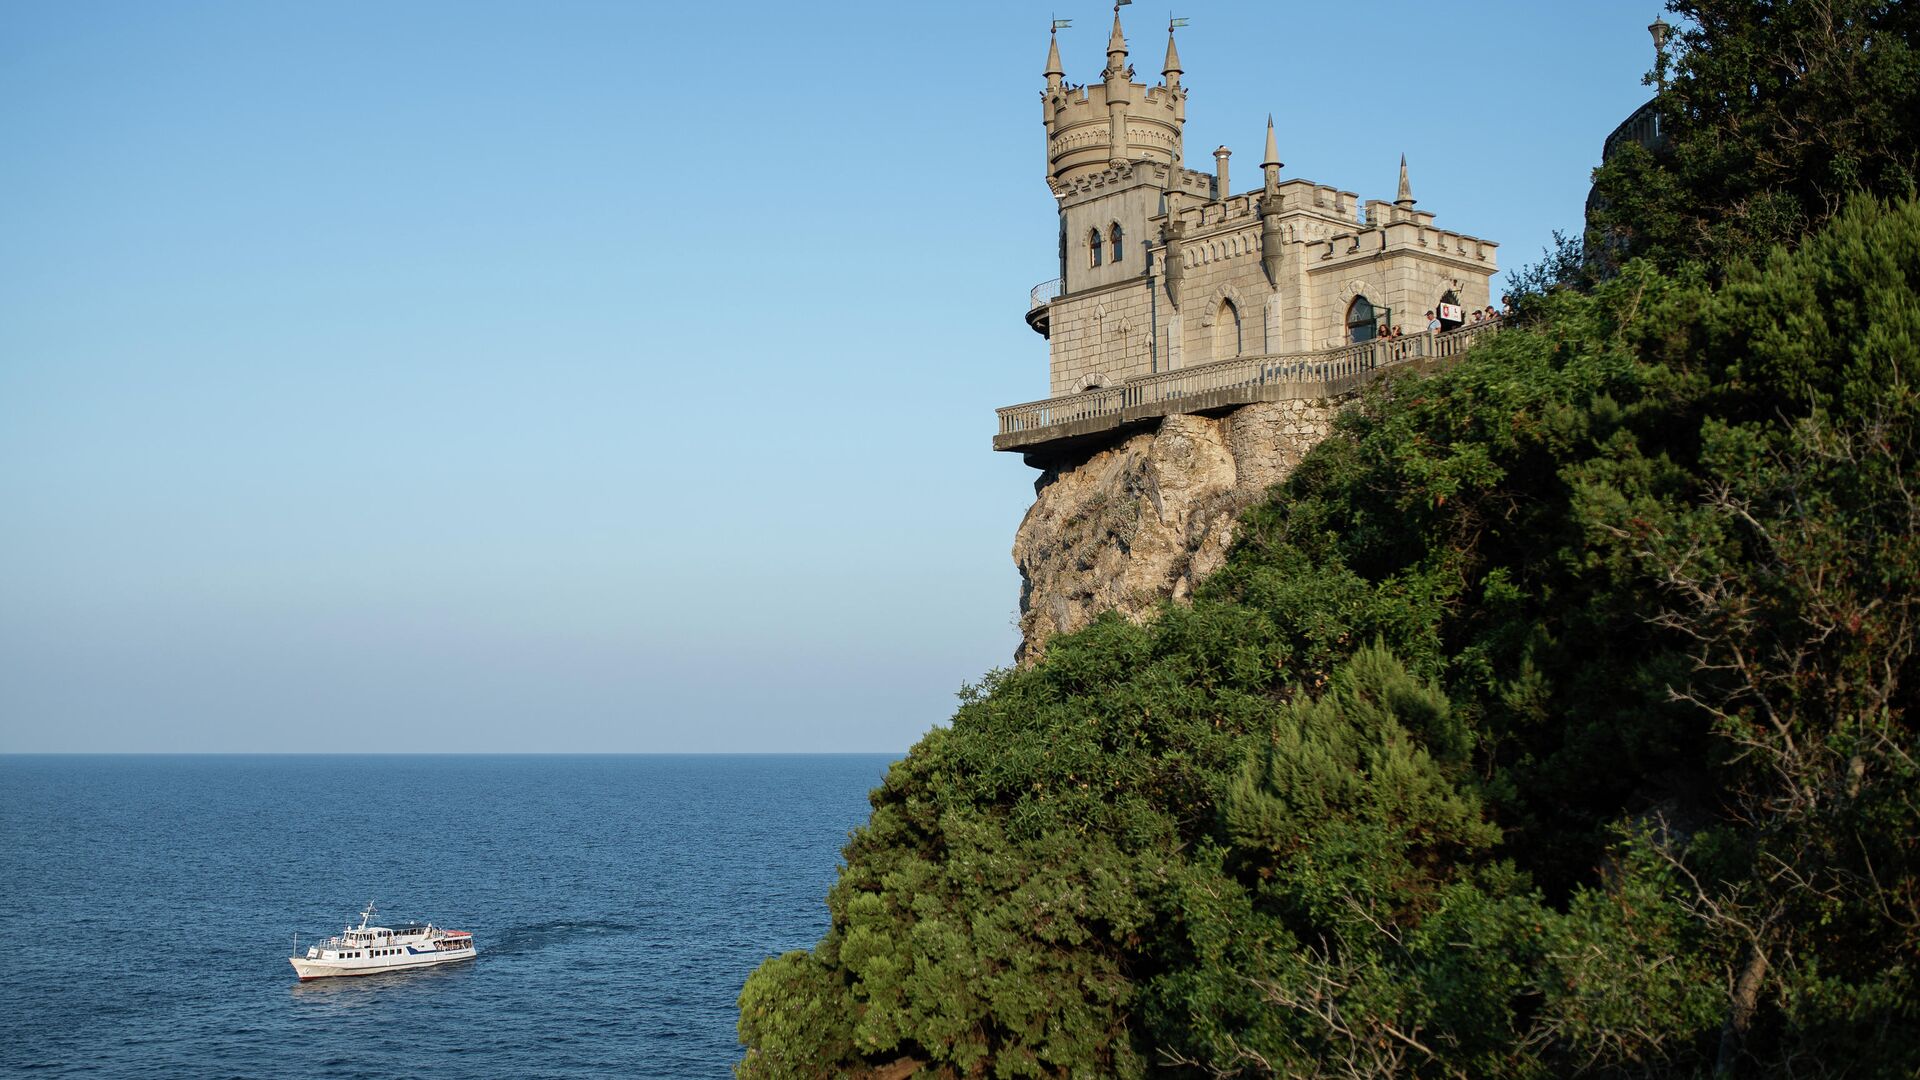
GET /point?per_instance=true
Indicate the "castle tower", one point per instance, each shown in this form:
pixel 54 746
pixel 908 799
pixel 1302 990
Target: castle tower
pixel 1112 146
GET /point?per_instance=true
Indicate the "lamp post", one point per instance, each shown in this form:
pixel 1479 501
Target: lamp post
pixel 1660 31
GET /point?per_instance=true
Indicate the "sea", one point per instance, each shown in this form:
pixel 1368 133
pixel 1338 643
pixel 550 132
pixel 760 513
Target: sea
pixel 148 905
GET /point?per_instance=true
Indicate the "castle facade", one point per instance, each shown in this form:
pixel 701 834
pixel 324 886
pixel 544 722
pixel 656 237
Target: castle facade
pixel 1165 269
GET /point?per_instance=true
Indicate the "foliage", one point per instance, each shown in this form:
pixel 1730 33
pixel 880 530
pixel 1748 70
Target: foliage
pixel 1777 112
pixel 1553 718
pixel 1561 264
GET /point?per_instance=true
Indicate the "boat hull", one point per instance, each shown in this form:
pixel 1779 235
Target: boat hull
pixel 309 970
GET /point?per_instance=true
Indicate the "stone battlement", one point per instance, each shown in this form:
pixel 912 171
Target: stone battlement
pixel 1159 176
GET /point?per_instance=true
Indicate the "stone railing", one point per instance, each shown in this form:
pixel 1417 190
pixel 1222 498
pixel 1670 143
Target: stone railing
pixel 1223 383
pixel 1044 293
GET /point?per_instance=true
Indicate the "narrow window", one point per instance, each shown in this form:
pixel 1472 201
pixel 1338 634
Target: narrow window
pixel 1114 234
pixel 1226 331
pixel 1094 241
pixel 1360 320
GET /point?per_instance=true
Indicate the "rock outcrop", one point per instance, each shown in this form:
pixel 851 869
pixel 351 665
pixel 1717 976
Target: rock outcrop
pixel 1148 518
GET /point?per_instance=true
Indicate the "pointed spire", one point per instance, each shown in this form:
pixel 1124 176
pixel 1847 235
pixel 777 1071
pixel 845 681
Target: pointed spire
pixel 1055 72
pixel 1404 199
pixel 1171 69
pixel 1116 52
pixel 1271 166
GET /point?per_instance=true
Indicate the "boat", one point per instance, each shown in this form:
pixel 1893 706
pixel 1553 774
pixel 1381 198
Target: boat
pixel 374 950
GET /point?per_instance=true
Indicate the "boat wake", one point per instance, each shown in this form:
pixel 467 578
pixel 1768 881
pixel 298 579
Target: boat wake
pixel 518 940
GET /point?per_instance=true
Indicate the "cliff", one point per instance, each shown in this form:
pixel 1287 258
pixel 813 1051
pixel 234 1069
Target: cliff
pixel 1146 519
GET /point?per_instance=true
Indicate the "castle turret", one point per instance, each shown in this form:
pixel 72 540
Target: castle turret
pixel 1404 197
pixel 1271 164
pixel 1119 84
pixel 1272 246
pixel 1115 121
pixel 1116 50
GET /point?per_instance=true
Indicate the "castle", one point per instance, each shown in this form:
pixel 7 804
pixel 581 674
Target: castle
pixel 1200 342
pixel 1166 273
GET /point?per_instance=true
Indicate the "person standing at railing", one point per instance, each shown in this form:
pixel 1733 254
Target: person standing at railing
pixel 1433 324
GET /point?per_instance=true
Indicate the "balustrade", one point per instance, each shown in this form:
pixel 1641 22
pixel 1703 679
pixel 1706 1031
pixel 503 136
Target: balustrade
pixel 1044 293
pixel 1308 370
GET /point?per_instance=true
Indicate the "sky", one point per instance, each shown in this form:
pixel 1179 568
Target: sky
pixel 608 377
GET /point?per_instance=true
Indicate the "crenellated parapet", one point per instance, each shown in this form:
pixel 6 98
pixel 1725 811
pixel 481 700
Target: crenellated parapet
pixel 1162 177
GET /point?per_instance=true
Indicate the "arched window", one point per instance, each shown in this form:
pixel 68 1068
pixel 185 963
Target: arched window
pixel 1361 324
pixel 1226 330
pixel 1093 240
pixel 1114 234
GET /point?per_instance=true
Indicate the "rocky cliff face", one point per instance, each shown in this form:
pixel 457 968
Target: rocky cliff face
pixel 1147 519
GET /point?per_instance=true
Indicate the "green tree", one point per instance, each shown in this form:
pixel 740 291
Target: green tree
pixel 1776 113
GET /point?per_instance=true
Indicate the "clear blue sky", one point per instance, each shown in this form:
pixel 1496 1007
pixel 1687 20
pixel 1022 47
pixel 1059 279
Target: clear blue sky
pixel 606 376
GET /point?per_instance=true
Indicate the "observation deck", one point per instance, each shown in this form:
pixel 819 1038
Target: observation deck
pixel 1040 306
pixel 1071 421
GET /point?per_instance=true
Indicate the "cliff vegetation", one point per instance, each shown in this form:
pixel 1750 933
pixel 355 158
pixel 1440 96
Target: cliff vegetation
pixel 1553 717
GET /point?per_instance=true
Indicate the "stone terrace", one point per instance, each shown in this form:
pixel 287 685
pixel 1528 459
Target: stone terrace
pixel 1043 428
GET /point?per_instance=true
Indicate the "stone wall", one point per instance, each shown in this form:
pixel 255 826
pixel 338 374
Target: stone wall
pixel 1147 519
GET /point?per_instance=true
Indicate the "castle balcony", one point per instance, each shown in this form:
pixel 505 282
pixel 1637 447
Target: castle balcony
pixel 1042 429
pixel 1040 306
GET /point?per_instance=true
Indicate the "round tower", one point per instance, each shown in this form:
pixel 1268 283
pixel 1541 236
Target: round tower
pixel 1113 121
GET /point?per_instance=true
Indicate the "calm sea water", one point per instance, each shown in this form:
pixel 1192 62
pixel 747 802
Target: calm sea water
pixel 618 903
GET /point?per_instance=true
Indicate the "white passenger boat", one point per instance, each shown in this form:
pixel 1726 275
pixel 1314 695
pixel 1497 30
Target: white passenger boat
pixel 370 950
